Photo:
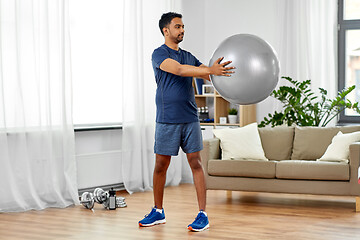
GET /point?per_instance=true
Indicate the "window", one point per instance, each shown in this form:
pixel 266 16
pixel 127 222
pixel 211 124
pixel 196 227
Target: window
pixel 349 54
pixel 96 40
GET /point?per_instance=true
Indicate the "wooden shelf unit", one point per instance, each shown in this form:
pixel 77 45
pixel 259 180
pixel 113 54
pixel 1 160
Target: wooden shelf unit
pixel 247 113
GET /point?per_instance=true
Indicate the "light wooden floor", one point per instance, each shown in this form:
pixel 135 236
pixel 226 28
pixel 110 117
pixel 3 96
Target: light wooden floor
pixel 245 216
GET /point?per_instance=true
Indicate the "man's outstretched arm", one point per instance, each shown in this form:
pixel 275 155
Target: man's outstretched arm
pixel 174 67
pixel 207 77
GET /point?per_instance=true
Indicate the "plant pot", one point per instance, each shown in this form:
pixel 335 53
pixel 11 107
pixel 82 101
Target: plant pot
pixel 232 119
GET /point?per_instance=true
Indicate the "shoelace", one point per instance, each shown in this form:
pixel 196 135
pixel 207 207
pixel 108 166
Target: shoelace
pixel 153 210
pixel 197 219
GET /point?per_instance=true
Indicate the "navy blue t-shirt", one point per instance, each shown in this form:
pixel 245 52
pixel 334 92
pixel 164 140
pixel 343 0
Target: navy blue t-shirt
pixel 175 99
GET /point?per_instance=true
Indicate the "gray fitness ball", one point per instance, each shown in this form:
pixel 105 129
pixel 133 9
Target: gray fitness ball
pixel 256 69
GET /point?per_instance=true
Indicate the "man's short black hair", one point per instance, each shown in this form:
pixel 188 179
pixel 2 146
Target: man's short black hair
pixel 166 18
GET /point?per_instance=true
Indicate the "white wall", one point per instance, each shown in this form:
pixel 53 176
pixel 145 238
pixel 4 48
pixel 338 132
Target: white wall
pixel 209 22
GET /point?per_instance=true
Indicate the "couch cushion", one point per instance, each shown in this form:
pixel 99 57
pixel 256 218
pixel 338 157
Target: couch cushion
pixel 277 142
pixel 310 143
pixel 312 170
pixel 240 143
pixel 349 129
pixel 242 168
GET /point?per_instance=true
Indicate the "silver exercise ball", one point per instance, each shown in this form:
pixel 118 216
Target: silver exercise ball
pixel 256 69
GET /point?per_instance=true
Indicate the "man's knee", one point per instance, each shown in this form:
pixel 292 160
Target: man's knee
pixel 195 163
pixel 162 164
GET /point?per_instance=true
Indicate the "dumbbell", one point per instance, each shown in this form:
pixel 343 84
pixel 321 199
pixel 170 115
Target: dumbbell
pixel 87 200
pixel 101 197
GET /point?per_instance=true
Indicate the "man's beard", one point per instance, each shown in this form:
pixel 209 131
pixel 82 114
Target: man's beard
pixel 179 38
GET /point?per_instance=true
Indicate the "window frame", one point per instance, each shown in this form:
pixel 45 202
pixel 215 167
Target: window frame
pixel 343 26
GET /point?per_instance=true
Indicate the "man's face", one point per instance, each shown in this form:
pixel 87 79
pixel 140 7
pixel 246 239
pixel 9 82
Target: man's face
pixel 175 31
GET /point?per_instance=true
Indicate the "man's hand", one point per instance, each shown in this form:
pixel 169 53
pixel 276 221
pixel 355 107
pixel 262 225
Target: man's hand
pixel 220 69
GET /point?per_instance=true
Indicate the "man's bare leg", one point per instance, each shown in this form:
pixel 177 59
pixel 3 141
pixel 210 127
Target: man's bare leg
pixel 199 178
pixel 161 166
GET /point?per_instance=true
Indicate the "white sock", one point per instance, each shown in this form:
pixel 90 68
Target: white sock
pixel 159 210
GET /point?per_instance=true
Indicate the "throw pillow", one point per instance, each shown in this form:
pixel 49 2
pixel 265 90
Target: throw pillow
pixel 240 143
pixel 338 150
pixel 277 142
pixel 310 143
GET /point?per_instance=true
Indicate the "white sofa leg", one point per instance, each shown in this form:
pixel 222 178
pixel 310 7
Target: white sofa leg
pixel 357 204
pixel 229 195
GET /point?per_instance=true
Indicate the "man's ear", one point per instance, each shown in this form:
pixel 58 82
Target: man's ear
pixel 165 31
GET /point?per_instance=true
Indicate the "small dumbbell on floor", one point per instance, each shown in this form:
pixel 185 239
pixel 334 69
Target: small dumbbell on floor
pixel 87 200
pixel 101 197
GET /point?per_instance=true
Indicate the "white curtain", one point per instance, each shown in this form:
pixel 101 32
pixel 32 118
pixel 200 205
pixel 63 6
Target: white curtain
pixel 141 36
pixel 307 45
pixel 37 164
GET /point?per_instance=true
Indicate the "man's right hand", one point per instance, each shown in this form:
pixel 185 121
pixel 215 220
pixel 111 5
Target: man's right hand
pixel 220 69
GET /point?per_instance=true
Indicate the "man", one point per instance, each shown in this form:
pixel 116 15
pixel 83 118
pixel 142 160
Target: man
pixel 177 122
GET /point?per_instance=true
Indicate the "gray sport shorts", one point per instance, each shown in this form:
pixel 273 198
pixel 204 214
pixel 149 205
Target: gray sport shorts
pixel 170 136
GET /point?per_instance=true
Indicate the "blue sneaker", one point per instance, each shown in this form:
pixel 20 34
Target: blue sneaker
pixel 201 223
pixel 153 218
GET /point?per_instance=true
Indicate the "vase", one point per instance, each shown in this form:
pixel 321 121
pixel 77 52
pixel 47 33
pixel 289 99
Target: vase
pixel 232 119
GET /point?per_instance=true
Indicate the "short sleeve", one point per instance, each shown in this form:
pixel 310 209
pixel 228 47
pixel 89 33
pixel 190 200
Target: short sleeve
pixel 158 56
pixel 197 62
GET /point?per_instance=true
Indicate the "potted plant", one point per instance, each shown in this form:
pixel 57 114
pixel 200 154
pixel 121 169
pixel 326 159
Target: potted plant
pixel 303 108
pixel 232 115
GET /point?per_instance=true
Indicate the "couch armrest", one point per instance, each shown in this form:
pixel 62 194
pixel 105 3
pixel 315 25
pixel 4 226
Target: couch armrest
pixel 211 151
pixel 354 157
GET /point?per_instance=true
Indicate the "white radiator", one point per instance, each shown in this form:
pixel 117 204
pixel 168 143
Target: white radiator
pixel 98 169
